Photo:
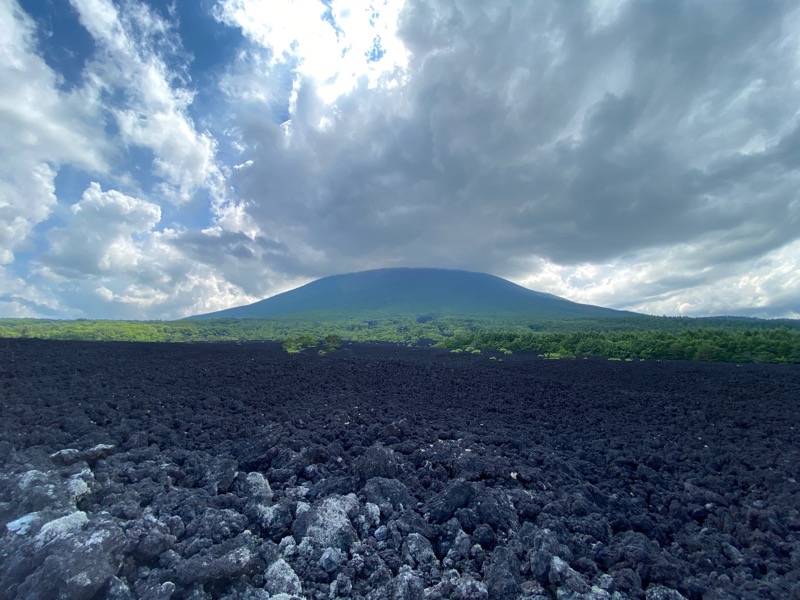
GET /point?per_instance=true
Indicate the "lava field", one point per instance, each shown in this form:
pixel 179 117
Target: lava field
pixel 240 472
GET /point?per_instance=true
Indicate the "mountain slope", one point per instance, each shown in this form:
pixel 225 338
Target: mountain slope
pixel 407 291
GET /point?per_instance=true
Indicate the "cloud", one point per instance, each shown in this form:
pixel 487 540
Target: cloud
pixel 545 132
pixel 673 282
pixel 640 155
pixel 335 44
pixel 21 299
pixel 111 251
pixel 40 127
pixel 132 94
pixel 140 69
pixel 99 237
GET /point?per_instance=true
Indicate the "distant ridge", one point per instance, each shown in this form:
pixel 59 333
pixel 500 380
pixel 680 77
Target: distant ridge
pixel 414 291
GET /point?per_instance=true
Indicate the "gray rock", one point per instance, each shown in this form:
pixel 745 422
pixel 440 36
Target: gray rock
pixel 544 546
pixel 732 553
pixel 563 576
pixel 459 549
pixel 659 592
pixel 228 560
pixel 606 582
pixel 627 580
pixel 155 590
pixel 219 475
pixel 70 456
pixel 533 590
pixel 331 559
pixel 327 523
pixel 410 521
pixel 377 461
pixel 379 579
pixel 288 547
pixel 466 588
pixel 635 550
pixel 26 523
pixel 253 486
pixel 48 491
pixel 468 518
pixel 381 533
pixel 417 550
pixel 251 594
pixel 543 538
pixel 407 586
pixel 594 594
pixel 281 579
pixel 495 508
pixel 453 586
pixel 275 521
pixel 368 519
pixel 342 587
pixel 500 574
pixel 217 525
pixel 485 536
pixel 73 557
pixel 443 505
pixel 380 490
pixel 118 590
pixel 59 529
pixel 151 537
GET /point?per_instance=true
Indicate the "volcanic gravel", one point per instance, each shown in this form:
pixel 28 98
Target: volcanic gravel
pixel 237 471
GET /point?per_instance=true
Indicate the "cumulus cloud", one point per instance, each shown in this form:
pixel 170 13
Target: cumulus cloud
pixel 40 127
pixel 132 94
pixel 109 253
pixel 19 298
pixel 111 250
pixel 152 111
pixel 99 234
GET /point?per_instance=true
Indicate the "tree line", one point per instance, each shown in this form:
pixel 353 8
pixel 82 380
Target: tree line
pixel 719 339
pixel 779 345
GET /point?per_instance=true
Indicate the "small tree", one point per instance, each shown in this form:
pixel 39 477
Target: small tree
pixel 332 342
pixel 299 343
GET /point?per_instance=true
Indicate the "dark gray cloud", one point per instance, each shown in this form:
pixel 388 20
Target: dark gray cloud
pixel 547 130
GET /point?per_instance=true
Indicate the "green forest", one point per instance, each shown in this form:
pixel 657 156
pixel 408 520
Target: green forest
pixel 729 345
pixel 637 337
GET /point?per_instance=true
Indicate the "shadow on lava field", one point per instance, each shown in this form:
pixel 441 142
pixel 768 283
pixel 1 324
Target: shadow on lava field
pixel 238 471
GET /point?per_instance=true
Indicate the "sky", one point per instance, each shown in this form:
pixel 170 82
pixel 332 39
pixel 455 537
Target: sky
pixel 161 159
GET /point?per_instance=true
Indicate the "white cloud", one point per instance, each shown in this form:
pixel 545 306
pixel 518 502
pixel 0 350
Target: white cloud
pixel 334 47
pixel 100 234
pixel 675 281
pixel 20 298
pixel 111 254
pixel 38 122
pixel 40 128
pixel 26 199
pixel 153 111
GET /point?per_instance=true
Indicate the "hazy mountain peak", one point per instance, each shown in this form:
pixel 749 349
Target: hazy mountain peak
pixel 414 291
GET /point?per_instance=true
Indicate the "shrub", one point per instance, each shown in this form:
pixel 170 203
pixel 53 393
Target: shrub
pixel 296 344
pixel 332 342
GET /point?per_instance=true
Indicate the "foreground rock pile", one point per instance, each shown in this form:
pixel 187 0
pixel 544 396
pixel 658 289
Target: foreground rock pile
pixel 143 523
pixel 339 499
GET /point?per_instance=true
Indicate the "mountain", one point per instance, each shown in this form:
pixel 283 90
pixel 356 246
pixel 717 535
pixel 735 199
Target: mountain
pixel 417 292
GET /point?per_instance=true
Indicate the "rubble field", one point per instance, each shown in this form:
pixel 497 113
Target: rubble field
pixel 240 472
